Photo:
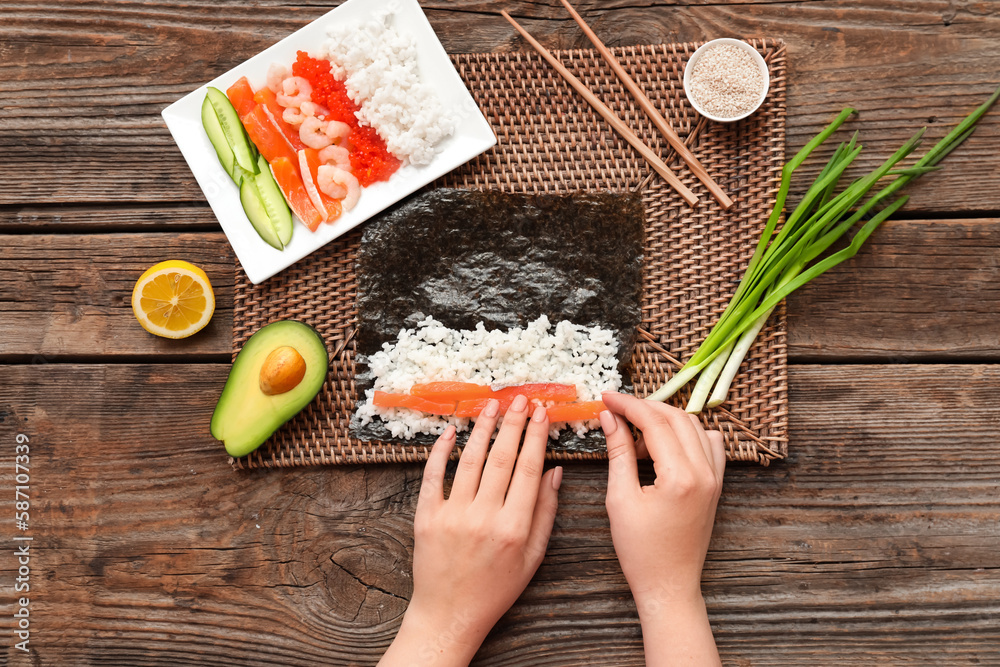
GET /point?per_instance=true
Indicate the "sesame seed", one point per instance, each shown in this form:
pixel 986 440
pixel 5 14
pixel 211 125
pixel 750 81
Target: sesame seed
pixel 726 81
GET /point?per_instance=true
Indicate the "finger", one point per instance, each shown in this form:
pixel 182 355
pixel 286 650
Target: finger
pixel 523 490
pixel 544 515
pixel 706 447
pixel 432 486
pixel 500 463
pixel 641 452
pixel 718 448
pixel 650 417
pixel 623 471
pixel 470 464
pixel 687 436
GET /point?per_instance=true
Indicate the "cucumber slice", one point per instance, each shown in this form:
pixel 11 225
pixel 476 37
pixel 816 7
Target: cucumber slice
pixel 210 121
pixel 274 202
pixel 255 209
pixel 232 128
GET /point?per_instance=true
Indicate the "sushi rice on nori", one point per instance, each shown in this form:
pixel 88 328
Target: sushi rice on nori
pixel 498 262
pixel 584 357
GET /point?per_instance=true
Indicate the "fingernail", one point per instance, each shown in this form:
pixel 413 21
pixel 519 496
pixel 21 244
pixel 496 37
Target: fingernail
pixel 608 422
pixel 557 478
pixel 539 414
pixel 492 408
pixel 520 403
pixel 449 433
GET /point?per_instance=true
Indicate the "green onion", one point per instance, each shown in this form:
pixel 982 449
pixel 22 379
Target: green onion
pixel 784 261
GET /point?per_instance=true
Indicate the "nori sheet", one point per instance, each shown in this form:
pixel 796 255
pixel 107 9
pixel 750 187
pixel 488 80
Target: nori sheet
pixel 468 256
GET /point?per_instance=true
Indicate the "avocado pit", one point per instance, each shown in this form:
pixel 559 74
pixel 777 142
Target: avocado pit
pixel 282 371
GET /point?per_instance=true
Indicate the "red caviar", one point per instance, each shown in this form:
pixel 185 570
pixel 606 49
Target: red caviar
pixel 371 161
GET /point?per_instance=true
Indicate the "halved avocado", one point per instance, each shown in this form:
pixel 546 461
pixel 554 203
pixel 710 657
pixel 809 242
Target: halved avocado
pixel 277 373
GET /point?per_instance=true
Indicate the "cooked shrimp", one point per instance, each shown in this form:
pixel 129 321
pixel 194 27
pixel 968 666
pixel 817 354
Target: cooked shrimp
pixel 336 156
pixel 294 91
pixel 312 132
pixel 276 73
pixel 339 184
pixel 313 109
pixel 325 176
pixel 337 131
pixel 293 116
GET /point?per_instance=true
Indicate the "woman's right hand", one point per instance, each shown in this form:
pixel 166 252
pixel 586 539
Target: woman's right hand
pixel 661 532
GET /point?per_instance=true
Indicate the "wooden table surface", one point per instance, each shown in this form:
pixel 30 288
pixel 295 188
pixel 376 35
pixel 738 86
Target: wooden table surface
pixel 876 540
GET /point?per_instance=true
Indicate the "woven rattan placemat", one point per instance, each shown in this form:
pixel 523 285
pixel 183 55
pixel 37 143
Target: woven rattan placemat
pixel 550 140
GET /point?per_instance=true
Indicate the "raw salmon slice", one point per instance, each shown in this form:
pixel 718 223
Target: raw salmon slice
pixel 265 136
pixel 267 99
pixel 451 391
pixel 573 412
pixel 309 164
pixel 473 406
pixel 542 392
pixel 287 177
pixel 539 391
pixel 240 94
pixel 386 400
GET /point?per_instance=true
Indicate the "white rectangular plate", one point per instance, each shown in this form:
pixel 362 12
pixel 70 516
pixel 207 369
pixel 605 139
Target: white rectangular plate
pixel 260 261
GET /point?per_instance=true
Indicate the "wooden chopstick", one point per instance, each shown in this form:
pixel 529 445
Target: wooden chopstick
pixel 654 115
pixel 617 123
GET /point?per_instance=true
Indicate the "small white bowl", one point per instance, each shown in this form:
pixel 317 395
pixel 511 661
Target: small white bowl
pixel 739 44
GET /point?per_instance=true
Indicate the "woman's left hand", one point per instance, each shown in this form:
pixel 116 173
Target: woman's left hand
pixel 475 552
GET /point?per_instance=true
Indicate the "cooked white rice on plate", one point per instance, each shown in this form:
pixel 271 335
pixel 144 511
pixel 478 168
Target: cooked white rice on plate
pixel 538 353
pixel 378 65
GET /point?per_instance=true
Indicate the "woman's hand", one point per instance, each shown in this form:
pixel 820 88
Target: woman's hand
pixel 661 532
pixel 475 552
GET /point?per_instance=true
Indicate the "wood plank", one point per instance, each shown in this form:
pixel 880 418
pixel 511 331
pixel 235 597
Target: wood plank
pixel 133 218
pixel 921 290
pixel 69 295
pixel 109 70
pixel 876 538
pixel 918 290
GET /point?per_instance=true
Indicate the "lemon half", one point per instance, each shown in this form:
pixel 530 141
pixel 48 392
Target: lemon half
pixel 173 299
